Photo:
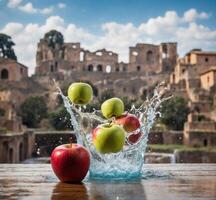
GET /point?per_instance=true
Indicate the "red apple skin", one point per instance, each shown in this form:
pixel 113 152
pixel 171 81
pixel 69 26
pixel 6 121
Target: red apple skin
pixel 133 138
pixel 70 162
pixel 129 122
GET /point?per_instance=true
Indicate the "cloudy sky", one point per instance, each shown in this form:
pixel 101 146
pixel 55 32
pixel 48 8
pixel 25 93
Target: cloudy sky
pixel 111 24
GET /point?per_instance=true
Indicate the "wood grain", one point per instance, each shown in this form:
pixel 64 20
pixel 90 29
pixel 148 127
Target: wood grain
pixel 160 181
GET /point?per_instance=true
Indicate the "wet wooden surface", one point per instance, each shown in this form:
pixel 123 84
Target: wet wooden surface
pixel 162 182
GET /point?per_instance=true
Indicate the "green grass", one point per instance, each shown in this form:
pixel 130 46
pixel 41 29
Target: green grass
pixel 3 130
pixel 165 148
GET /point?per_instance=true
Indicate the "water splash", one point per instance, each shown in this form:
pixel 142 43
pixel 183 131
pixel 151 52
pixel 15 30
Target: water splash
pixel 126 164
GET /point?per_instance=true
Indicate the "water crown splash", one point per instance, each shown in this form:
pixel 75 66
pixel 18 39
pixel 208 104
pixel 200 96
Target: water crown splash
pixel 126 164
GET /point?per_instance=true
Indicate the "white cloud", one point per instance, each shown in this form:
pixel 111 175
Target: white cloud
pixel 192 14
pixel 61 5
pixel 29 8
pixel 13 3
pixel 116 37
pixel 46 11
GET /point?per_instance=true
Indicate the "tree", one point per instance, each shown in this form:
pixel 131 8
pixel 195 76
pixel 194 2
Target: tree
pixel 60 119
pixel 129 102
pixel 6 47
pixel 33 110
pixel 174 113
pixel 54 37
pixel 106 94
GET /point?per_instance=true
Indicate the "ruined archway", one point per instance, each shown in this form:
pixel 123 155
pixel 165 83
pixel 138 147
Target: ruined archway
pixel 138 68
pixel 108 69
pixel 21 152
pixel 81 56
pixel 11 155
pixel 90 68
pixel 4 74
pixel 5 151
pixel 149 57
pixel 52 68
pixel 99 68
pixel 205 143
pixel 56 66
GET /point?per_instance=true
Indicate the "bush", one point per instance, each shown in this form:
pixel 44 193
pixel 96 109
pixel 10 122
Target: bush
pixel 33 110
pixel 174 113
pixel 106 94
pixel 3 130
pixel 60 119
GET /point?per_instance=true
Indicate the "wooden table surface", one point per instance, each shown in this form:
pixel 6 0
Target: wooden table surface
pixel 169 181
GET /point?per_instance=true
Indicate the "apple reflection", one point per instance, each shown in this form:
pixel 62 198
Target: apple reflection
pixel 69 191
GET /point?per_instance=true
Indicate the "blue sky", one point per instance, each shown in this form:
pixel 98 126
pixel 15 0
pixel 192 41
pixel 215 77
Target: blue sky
pixel 111 24
pixel 92 13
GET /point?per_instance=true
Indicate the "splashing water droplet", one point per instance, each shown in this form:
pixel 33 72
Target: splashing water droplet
pixel 126 164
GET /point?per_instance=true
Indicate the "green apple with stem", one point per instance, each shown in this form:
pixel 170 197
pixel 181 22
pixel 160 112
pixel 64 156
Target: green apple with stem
pixel 113 107
pixel 80 93
pixel 108 138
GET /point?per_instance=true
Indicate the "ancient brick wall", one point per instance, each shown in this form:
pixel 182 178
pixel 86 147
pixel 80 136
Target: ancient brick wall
pixel 11 70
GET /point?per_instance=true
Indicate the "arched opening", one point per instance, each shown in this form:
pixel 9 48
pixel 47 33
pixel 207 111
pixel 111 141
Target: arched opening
pixel 164 52
pixel 149 57
pixel 173 78
pixel 205 142
pixel 21 152
pixel 99 53
pixel 108 69
pixel 56 66
pixel 11 155
pixel 5 151
pixel 124 68
pixel 4 74
pixel 117 69
pixel 81 56
pixel 197 109
pixel 52 68
pixel 134 90
pixel 99 68
pixel 138 68
pixel 134 53
pixel 90 68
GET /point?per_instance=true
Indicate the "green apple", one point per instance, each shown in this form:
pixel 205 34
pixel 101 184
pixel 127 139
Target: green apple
pixel 108 138
pixel 80 93
pixel 113 107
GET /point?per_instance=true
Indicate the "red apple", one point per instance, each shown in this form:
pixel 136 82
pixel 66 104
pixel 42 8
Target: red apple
pixel 134 137
pixel 70 162
pixel 129 122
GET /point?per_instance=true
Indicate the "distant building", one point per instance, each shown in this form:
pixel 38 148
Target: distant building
pixel 11 70
pixel 69 57
pixel 208 78
pixel 194 78
pixel 151 58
